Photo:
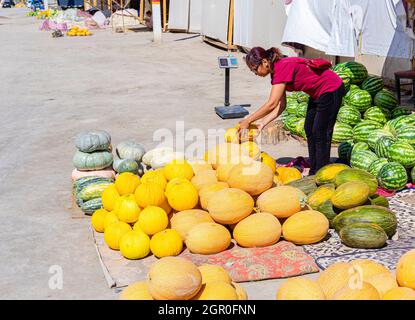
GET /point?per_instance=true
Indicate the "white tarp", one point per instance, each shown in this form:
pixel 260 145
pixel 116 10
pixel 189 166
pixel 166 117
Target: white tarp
pixel 195 19
pixel 215 15
pixel 179 14
pixel 260 23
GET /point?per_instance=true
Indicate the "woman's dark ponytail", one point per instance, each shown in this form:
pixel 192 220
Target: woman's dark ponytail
pixel 257 54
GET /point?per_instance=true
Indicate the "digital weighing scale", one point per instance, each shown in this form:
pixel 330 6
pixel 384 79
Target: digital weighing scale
pixel 227 111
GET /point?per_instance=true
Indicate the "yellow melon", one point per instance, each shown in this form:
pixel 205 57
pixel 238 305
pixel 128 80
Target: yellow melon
pixel 230 205
pixel 335 277
pixel 152 220
pixel 136 291
pixel 114 232
pixel 183 221
pixel 231 135
pixel 166 243
pixel 269 161
pixel 135 245
pixel 281 201
pixel 253 178
pixel 288 174
pixel 174 278
pixel 175 182
pixel 199 165
pixel 206 192
pixel 212 273
pixel 165 206
pixel 149 194
pixel 405 270
pixel 248 134
pixel 400 293
pixel 208 238
pixel 109 196
pixel 126 183
pixel 155 177
pixel 240 291
pixel 98 220
pixel 222 172
pixel 127 209
pixel 110 218
pixel 383 282
pixel 216 290
pixel 253 149
pixel 305 227
pixel 366 268
pixel 300 289
pixel 360 291
pixel 182 196
pixel 257 230
pixel 204 178
pixel 225 153
pixel 178 169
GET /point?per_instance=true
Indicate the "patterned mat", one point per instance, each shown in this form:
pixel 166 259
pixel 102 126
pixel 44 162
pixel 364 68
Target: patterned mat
pixel 332 250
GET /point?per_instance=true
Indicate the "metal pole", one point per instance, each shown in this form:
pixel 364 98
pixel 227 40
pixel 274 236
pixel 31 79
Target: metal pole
pixel 227 77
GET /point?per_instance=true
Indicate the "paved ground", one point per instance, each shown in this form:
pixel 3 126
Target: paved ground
pixel 50 90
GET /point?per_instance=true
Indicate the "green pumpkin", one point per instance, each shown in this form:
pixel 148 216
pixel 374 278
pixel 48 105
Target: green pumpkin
pixel 92 161
pixel 90 141
pixel 130 150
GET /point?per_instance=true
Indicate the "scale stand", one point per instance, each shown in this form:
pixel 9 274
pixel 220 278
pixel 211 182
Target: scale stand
pixel 227 111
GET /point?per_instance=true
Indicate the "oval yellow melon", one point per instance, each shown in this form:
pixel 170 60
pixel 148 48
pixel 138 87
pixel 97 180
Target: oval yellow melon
pixel 253 178
pixel 362 291
pixel 253 149
pixel 320 195
pixel 126 209
pixel 152 220
pixel 109 219
pixel 208 238
pixel 199 165
pixel 155 177
pixel 305 227
pixel 165 206
pixel 175 182
pixel 166 243
pixel 248 134
pixel 300 289
pixel 126 183
pixel 178 169
pixel 240 291
pixel 222 172
pixel 217 290
pixel 400 293
pixel 149 194
pixel 230 205
pixel 383 282
pixel 225 153
pixel 212 273
pixel 98 220
pixel 350 194
pixel 269 161
pixel 206 192
pixel 136 291
pixel 335 277
pixel 114 232
pixel 366 268
pixel 174 278
pixel 135 245
pixel 109 196
pixel 405 270
pixel 231 135
pixel 204 178
pixel 287 174
pixel 257 230
pixel 182 196
pixel 281 201
pixel 183 221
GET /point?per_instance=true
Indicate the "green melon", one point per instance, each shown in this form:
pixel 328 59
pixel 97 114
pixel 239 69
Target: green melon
pixel 400 111
pixel 407 134
pixel 358 71
pixel 403 153
pixel 361 100
pixel 386 99
pixel 362 159
pixel 382 146
pixel 374 136
pixel 357 175
pixel 372 84
pixel 342 132
pixel 302 110
pixel 392 176
pixel 349 115
pixel 363 235
pixel 376 165
pixel 375 114
pixel 344 149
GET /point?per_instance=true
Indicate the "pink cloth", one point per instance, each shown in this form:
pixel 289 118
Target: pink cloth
pixel 299 77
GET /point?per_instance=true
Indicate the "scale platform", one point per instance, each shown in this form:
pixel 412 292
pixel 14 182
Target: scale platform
pixel 232 112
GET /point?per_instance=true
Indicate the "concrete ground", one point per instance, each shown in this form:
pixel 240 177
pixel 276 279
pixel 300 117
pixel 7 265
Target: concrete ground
pixel 50 90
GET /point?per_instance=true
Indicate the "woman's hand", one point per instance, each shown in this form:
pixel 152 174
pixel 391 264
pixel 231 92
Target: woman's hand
pixel 243 125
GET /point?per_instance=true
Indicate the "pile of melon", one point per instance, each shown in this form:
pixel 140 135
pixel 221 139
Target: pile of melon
pixel 174 278
pixel 358 279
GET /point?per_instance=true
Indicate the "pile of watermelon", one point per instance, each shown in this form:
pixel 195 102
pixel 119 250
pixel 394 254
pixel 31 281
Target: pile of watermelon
pixel 373 132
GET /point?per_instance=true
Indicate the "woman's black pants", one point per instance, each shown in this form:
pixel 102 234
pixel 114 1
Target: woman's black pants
pixel 319 123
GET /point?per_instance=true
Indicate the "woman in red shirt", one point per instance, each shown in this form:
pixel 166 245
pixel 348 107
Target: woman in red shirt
pixel 326 92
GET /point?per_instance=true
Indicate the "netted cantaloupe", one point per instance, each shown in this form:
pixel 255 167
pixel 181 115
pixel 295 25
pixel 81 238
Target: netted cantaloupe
pixel 204 178
pixel 208 238
pixel 300 289
pixel 383 282
pixel 357 291
pixel 305 227
pixel 225 153
pixel 405 270
pixel 174 278
pixel 206 192
pixel 136 291
pixel 183 221
pixel 282 201
pixel 367 268
pixel 335 277
pixel 257 230
pixel 400 293
pixel 253 178
pixel 212 273
pixel 230 205
pixel 217 290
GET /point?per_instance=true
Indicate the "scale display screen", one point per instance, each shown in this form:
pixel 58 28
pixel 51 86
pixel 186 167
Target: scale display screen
pixel 226 62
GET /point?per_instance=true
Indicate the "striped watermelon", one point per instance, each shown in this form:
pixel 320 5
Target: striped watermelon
pixel 358 70
pixel 386 99
pixel 375 114
pixel 372 84
pixel 382 146
pixel 403 121
pixel 346 98
pixel 413 175
pixel 407 134
pixel 392 176
pixel 349 115
pixel 301 96
pixel 340 68
pixel 400 111
pixel 376 165
pixel 342 132
pixel 362 130
pixel 290 123
pixel 345 76
pixel 292 107
pixel 358 146
pixel 283 115
pixel 360 99
pixel 344 150
pixel 374 136
pixel 390 127
pixel 302 109
pixel 299 128
pixel 362 159
pixel 403 153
